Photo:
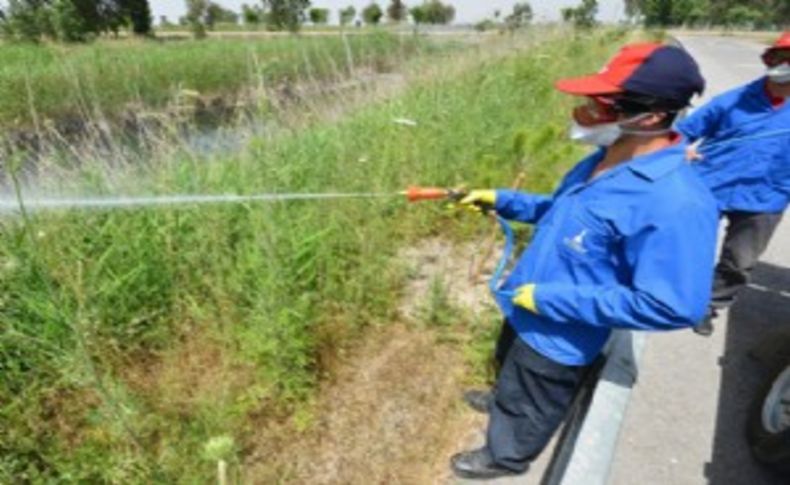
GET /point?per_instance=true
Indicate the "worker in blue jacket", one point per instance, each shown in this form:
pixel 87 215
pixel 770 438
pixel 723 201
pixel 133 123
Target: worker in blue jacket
pixel 744 157
pixel 626 241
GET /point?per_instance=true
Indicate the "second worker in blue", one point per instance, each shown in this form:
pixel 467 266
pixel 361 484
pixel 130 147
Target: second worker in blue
pixel 744 158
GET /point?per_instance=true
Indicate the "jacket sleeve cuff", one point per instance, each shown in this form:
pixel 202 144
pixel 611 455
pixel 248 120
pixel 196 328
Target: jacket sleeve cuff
pixel 503 198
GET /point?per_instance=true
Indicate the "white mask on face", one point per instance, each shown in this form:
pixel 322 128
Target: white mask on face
pixel 779 74
pixel 605 134
pixel 599 135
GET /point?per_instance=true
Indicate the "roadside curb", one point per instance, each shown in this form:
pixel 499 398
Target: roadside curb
pixel 586 453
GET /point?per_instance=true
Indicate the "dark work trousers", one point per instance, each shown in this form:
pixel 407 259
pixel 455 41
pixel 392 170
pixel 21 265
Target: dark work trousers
pixel 745 239
pixel 505 340
pixel 531 398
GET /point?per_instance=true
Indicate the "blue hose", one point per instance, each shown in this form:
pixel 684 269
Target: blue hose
pixel 758 136
pixel 503 298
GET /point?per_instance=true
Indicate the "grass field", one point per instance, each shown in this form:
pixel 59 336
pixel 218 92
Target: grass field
pixel 56 81
pixel 103 315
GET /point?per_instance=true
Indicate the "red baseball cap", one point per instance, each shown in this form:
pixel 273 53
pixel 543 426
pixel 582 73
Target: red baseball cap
pixel 776 54
pixel 783 42
pixel 650 69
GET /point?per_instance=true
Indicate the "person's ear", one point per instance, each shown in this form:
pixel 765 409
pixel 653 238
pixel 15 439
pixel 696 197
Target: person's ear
pixel 655 120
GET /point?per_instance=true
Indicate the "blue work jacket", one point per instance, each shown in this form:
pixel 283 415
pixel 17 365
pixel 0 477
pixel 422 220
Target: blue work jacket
pixel 745 166
pixel 633 248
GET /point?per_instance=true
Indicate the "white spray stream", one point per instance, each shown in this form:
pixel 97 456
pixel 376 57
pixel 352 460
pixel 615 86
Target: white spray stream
pixel 10 205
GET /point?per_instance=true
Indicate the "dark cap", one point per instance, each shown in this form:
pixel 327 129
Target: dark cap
pixel 659 71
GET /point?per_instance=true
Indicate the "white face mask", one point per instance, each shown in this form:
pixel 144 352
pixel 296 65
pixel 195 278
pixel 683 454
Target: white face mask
pixel 779 74
pixel 605 134
pixel 601 135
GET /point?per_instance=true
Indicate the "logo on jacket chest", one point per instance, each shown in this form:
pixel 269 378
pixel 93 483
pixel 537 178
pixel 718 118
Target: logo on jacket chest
pixel 576 243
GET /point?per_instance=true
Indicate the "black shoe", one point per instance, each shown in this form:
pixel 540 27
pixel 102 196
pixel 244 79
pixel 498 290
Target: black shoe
pixel 705 327
pixel 478 400
pixel 478 464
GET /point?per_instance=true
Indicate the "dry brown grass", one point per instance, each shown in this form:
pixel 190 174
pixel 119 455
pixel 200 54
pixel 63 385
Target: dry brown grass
pixel 389 414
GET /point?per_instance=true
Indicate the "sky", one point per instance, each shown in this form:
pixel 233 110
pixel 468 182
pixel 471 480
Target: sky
pixel 467 11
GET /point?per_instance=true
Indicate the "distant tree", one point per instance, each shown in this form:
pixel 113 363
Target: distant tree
pixel 251 15
pixel 372 14
pixel 745 16
pixel 418 15
pixel 74 20
pixel 520 17
pixel 23 20
pixel 66 20
pixel 88 16
pixel 347 15
pixel 112 15
pixel 567 14
pixel 585 13
pixel 196 14
pixel 657 12
pixel 436 12
pixel 32 20
pixel 781 13
pixel 229 16
pixel 139 13
pixel 212 15
pixel 698 15
pixel 582 16
pixel 747 13
pixel 217 14
pixel 319 16
pixel 397 11
pixel 286 14
pixel 484 25
pixel 633 8
pixel 664 13
pixel 68 24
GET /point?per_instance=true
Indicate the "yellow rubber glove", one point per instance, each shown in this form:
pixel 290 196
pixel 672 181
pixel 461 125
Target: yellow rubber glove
pixel 479 200
pixel 525 298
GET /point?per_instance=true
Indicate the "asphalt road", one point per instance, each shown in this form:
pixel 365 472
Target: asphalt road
pixel 685 423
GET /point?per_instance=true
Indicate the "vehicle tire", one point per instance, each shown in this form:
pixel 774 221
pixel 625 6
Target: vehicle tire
pixel 768 432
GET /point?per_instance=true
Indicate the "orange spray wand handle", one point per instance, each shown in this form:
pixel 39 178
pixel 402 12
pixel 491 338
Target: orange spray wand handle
pixel 416 194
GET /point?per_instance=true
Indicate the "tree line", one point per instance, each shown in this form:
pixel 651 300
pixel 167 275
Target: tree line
pixel 765 14
pixel 73 20
pixel 81 20
pixel 291 14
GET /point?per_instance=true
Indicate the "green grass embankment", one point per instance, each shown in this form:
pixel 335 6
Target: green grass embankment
pixel 55 81
pixel 138 346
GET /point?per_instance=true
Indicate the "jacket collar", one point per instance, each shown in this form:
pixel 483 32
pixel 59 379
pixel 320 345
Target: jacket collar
pixel 657 164
pixel 652 166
